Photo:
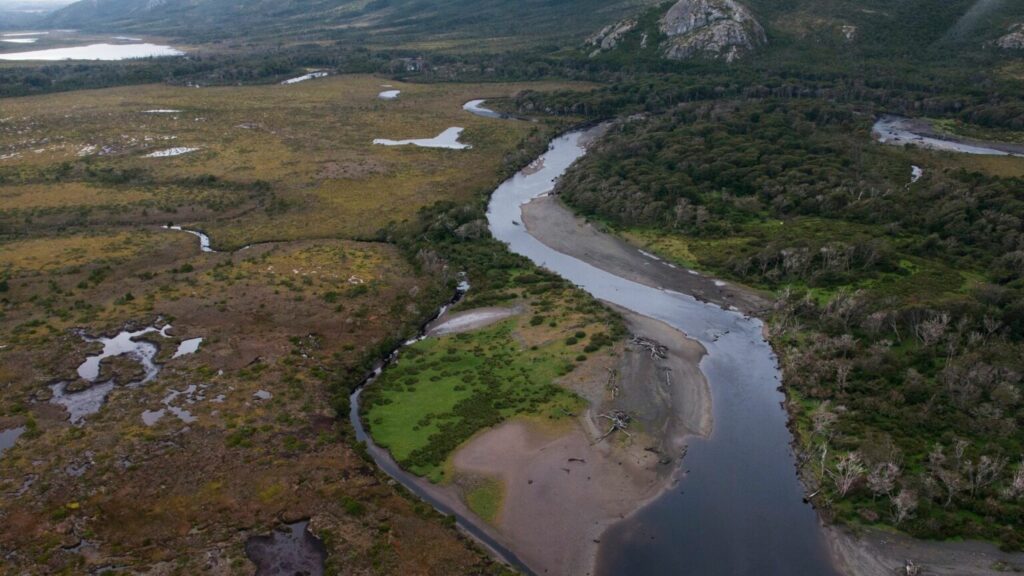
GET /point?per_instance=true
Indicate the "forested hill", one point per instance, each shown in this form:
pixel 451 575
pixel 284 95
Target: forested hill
pixel 379 21
pixel 885 27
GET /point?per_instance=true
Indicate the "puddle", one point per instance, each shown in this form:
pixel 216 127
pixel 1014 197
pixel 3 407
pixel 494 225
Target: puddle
pixel 389 94
pixel 187 347
pixel 189 395
pixel 477 107
pixel 124 343
pixel 305 77
pixel 9 437
pixel 81 404
pixel 89 401
pixel 290 550
pixel 447 139
pixel 170 152
pixel 97 52
pixel 204 240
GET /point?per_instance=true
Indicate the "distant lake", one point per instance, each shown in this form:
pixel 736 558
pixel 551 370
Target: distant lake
pixel 96 52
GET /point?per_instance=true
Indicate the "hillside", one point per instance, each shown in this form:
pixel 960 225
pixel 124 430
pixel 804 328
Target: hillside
pixel 378 21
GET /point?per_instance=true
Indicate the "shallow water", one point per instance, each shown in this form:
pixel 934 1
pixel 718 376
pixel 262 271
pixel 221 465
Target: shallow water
pixel 896 131
pixel 204 240
pixel 124 343
pixel 170 152
pixel 389 94
pixel 9 437
pixel 304 77
pixel 727 515
pixel 477 107
pixel 81 404
pixel 470 320
pixel 89 401
pixel 287 551
pixel 96 52
pixel 447 139
pixel 187 347
pixel 190 395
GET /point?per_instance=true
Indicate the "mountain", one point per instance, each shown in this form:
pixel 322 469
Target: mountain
pixel 379 21
pixel 715 29
pixel 826 31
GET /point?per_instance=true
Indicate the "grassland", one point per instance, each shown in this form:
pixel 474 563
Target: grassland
pixel 299 317
pixel 297 159
pixel 444 390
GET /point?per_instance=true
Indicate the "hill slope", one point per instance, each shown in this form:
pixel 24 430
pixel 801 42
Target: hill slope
pixel 382 21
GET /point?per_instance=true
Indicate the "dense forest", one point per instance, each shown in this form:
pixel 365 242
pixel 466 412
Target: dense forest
pixel 900 306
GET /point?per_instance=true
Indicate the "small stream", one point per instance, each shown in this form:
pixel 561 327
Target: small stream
pixel 900 131
pixel 419 486
pixel 204 240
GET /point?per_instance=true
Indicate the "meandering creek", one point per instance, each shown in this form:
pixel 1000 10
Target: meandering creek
pixel 899 131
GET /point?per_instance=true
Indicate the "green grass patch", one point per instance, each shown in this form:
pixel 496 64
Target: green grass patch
pixel 444 390
pixel 485 499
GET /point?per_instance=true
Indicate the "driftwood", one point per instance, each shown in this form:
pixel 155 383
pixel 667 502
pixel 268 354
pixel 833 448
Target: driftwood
pixel 611 385
pixel 658 351
pixel 620 421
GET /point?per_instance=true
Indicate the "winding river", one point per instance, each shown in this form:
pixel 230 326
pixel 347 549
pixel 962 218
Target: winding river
pixel 739 509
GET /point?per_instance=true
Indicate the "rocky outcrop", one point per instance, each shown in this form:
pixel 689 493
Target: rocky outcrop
pixel 1014 40
pixel 609 36
pixel 719 29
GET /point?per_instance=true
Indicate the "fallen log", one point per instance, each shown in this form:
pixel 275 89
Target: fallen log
pixel 657 350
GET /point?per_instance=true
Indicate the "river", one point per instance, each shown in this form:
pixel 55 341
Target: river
pixel 739 508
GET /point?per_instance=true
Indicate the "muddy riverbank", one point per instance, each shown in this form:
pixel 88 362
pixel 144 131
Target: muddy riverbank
pixel 554 224
pixel 564 484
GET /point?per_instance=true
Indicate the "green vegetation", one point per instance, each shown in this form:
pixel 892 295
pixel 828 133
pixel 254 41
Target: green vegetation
pixel 899 312
pixel 485 499
pixel 444 390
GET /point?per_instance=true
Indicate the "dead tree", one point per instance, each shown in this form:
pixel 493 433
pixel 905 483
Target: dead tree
pixel 620 421
pixel 657 350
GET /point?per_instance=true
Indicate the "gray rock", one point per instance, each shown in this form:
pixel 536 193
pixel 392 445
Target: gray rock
pixel 720 29
pixel 1014 40
pixel 610 35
